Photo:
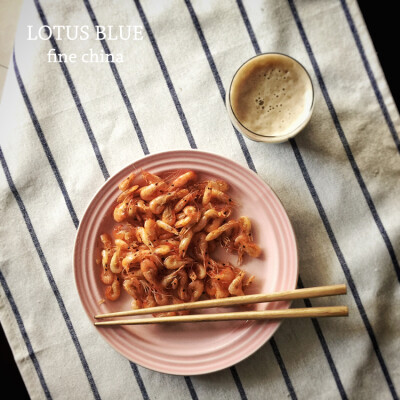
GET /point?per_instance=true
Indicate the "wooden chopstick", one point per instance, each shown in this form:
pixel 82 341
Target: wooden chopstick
pixel 312 312
pixel 319 291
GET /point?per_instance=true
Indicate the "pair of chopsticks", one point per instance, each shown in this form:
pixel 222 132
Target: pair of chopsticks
pixel 312 312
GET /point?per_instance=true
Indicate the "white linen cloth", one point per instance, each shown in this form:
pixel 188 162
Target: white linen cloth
pixel 66 127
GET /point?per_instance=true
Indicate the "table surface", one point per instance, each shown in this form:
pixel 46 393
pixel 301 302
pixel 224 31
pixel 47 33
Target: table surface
pixel 382 26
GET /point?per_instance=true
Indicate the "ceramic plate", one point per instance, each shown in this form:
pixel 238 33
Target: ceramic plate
pixel 192 348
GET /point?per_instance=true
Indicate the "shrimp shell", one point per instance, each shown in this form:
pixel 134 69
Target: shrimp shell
pixel 167 227
pixel 235 286
pixel 185 242
pixel 183 179
pixel 217 232
pixel 126 193
pixel 124 185
pixel 174 262
pixel 151 191
pixel 196 289
pixel 168 215
pixel 113 291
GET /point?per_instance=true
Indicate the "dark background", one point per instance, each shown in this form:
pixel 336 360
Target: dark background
pixel 383 26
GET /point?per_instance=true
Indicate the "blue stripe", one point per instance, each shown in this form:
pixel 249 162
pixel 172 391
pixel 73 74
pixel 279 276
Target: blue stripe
pixel 75 97
pixel 283 368
pixel 119 83
pixel 344 266
pixel 325 348
pixel 45 146
pixel 345 143
pixel 180 111
pixel 142 143
pixel 52 161
pixel 188 134
pixel 167 78
pixel 248 26
pixel 49 275
pixel 190 386
pixel 218 81
pixel 342 261
pixel 245 150
pixel 139 381
pixel 238 383
pixel 24 335
pixel 371 76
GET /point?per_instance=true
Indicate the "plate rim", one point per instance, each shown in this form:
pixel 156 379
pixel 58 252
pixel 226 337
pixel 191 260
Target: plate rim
pixel 171 153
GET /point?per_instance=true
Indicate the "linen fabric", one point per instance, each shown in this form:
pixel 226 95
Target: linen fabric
pixel 68 126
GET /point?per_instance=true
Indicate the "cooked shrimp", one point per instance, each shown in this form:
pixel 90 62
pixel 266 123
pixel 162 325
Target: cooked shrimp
pixel 169 215
pixel 214 224
pixel 167 227
pixel 235 286
pixel 174 262
pixel 161 298
pixel 183 179
pixel 136 304
pixel 151 191
pixel 149 301
pixel 185 242
pixel 207 195
pixel 211 213
pixel 126 193
pixel 183 202
pixel 115 264
pixel 215 290
pixel 196 289
pixel 200 270
pixel 124 231
pixel 252 249
pixel 201 247
pixel 143 236
pixel 161 249
pixel 121 211
pixel 106 240
pixel 114 290
pixel 221 196
pixel 121 244
pixel 225 275
pixel 150 227
pixel 150 271
pixel 166 235
pixel 133 287
pixel 106 276
pixel 221 185
pixel 167 280
pixel 217 232
pixel 105 255
pixel 192 216
pixel 150 178
pixel 248 281
pixel 182 290
pixel 245 226
pixel 244 241
pixel 157 205
pixel 124 185
pixel 135 257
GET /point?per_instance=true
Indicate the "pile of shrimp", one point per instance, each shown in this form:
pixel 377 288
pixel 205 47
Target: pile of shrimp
pixel 160 250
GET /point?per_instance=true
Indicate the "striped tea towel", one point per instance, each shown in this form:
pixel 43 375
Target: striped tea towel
pixel 67 126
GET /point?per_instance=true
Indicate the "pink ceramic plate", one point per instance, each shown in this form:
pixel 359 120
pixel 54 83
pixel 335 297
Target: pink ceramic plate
pixel 192 348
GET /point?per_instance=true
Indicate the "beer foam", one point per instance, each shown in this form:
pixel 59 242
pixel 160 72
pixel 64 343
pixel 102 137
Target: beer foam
pixel 271 95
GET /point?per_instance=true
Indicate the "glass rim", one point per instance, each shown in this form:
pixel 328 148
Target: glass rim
pixel 299 126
